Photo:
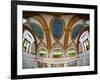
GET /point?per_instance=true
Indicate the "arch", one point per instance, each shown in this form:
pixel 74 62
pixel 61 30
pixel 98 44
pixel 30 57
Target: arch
pixel 25 28
pixel 42 52
pixel 68 29
pixel 57 53
pixel 71 52
pixel 45 28
pixel 82 31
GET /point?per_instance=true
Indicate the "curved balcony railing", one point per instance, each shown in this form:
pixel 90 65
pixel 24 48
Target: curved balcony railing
pixel 55 60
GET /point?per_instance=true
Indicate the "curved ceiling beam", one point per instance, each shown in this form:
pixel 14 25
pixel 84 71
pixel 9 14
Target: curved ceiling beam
pixel 68 29
pixel 45 28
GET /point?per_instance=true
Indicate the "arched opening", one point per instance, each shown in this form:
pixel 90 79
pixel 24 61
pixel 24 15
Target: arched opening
pixel 29 48
pixel 42 52
pixel 71 52
pixel 83 40
pixel 26 45
pixel 29 41
pixel 57 53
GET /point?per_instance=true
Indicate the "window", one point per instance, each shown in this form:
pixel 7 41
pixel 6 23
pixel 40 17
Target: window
pixel 71 52
pixel 42 52
pixel 57 53
pixel 86 44
pixel 26 45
